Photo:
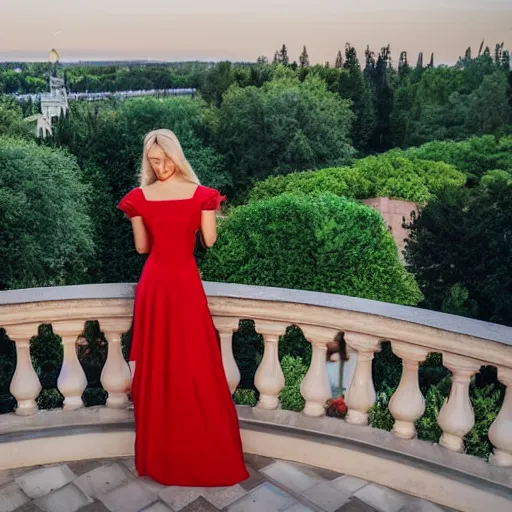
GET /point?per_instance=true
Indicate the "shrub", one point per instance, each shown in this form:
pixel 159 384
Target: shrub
pixel 245 397
pixel 486 402
pixel 474 156
pixel 388 175
pixel 294 372
pixel 324 243
pixel 46 236
pixel 7 368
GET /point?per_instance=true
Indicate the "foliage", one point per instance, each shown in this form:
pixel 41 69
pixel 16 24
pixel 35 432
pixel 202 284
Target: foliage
pixel 283 126
pixel 294 372
pixel 474 156
pixel 47 354
pixel 427 426
pixel 460 252
pixel 354 87
pixel 497 176
pixel 324 243
pixel 386 368
pixel 7 369
pixel 388 175
pixel 46 236
pixel 486 402
pixel 92 354
pixel 248 351
pixel 379 415
pixel 11 119
pixel 294 344
pixel 245 397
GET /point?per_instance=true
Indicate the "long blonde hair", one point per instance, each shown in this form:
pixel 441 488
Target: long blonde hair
pixel 171 146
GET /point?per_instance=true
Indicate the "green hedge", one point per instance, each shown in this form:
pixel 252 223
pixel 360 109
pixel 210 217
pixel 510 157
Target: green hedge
pixel 474 156
pixel 389 175
pixel 322 243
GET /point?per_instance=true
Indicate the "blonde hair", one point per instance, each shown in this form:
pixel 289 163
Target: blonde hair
pixel 170 145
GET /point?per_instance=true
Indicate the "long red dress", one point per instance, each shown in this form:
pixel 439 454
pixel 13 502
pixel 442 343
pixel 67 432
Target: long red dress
pixel 187 430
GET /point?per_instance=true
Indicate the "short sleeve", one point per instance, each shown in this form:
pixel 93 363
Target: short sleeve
pixel 130 204
pixel 212 200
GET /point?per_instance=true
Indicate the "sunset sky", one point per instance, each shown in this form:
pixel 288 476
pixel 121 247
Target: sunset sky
pixel 244 29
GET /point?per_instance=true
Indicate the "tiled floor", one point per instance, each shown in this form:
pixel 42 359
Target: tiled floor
pixel 274 485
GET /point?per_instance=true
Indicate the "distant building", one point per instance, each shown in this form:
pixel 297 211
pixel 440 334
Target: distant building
pixel 53 105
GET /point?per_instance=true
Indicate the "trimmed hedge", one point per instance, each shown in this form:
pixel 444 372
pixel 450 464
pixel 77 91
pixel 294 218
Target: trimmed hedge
pixel 322 243
pixel 388 175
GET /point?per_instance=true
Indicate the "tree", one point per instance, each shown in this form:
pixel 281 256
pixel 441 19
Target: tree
pixel 217 82
pixel 304 58
pixel 339 60
pixel 322 243
pixel 11 119
pixel 460 252
pixel 283 56
pixel 283 126
pixel 46 236
pixel 377 72
pixel 404 70
pixel 354 86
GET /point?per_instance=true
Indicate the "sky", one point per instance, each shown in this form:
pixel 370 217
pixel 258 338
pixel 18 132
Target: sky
pixel 242 30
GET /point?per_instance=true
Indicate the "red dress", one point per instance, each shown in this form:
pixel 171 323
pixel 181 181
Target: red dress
pixel 186 425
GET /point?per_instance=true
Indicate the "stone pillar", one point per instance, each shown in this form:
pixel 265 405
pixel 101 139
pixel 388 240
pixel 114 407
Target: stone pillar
pixel 25 385
pixel 361 394
pixel 226 327
pixel 72 380
pixel 500 432
pixel 316 387
pixel 456 417
pixel 407 404
pixel 116 375
pixel 269 377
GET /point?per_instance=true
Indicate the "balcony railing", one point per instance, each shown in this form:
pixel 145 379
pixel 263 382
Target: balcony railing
pixel 466 345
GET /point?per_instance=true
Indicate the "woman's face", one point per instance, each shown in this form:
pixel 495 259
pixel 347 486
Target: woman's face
pixel 162 165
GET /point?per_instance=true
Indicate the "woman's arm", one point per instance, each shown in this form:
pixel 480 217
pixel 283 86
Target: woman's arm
pixel 208 227
pixel 140 235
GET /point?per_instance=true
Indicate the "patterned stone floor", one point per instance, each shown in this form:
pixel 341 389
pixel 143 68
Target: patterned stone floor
pixel 274 485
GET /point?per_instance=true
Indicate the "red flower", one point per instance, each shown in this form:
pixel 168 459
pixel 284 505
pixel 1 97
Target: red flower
pixel 336 407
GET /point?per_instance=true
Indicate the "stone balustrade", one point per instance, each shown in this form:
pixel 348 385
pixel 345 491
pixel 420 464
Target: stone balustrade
pixel 466 345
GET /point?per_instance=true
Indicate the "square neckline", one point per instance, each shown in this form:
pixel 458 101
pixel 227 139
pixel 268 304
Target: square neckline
pixel 169 200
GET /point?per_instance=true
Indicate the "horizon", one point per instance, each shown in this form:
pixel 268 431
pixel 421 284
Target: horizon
pixel 128 30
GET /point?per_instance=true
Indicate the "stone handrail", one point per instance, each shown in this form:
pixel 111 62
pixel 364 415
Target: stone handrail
pixel 465 345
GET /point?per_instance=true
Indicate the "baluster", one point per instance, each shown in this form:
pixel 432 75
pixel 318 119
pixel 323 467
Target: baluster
pixel 226 327
pixel 269 377
pixel 407 403
pixel 72 380
pixel 456 417
pixel 25 385
pixel 116 376
pixel 500 432
pixel 316 387
pixel 361 394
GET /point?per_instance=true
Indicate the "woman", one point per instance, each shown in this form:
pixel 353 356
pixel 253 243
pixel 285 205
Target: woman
pixel 186 425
